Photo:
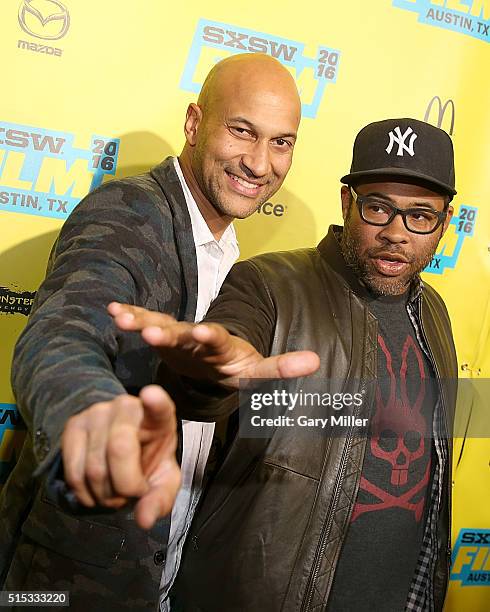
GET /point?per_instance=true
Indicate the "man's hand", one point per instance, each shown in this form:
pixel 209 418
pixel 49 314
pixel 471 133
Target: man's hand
pixel 209 351
pixel 123 449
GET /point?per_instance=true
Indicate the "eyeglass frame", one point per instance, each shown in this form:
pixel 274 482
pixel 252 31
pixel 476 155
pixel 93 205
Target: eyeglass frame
pixel 441 215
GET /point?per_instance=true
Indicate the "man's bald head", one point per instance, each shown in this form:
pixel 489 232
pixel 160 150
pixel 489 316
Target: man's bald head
pixel 240 136
pixel 250 71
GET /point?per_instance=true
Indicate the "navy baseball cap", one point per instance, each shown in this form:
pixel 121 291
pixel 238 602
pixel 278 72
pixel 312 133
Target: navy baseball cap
pixel 405 149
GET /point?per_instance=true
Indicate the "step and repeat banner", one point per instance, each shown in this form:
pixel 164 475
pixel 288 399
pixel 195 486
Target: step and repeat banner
pixel 95 90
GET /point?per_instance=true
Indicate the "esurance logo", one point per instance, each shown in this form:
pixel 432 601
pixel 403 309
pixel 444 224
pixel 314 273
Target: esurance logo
pixel 471 558
pixel 46 19
pixel 461 227
pixel 213 41
pixel 43 173
pixel 268 209
pixel 471 17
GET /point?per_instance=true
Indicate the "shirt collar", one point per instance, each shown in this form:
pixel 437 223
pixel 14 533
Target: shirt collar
pixel 200 229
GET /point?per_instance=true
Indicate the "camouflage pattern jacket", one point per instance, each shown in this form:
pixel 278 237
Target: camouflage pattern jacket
pixel 130 241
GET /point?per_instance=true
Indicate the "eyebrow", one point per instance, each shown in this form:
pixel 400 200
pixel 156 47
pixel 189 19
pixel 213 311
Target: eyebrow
pixel 253 127
pixel 383 196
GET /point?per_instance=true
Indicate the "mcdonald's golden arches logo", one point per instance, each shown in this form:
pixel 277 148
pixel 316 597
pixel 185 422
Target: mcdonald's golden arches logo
pixel 441 111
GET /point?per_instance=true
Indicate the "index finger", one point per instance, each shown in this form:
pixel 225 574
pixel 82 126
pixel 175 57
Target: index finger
pixel 160 498
pixel 124 449
pixel 212 336
pixel 135 318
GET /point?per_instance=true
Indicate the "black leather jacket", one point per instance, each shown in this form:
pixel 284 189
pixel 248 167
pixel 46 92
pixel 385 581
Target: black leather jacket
pixel 271 526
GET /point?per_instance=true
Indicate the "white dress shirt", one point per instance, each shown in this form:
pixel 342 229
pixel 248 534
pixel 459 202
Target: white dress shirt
pixel 214 260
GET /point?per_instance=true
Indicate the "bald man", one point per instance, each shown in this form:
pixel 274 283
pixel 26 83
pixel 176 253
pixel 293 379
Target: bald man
pixel 99 461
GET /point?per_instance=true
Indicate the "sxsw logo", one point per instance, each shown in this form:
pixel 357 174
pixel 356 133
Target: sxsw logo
pixel 43 173
pixel 471 558
pixel 12 434
pixel 213 41
pixel 462 225
pixel 470 17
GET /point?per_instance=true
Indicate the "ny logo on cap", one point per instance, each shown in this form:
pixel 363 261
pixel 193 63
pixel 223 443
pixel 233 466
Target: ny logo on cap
pixel 400 138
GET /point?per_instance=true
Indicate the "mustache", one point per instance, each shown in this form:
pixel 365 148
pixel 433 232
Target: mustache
pixel 380 252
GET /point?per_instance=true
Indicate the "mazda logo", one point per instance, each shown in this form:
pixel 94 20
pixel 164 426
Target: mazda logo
pixel 46 19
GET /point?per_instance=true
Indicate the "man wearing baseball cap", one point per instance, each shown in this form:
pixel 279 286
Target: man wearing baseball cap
pixel 350 522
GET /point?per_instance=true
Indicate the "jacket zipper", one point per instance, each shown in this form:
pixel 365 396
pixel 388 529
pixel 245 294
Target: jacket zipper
pixel 328 525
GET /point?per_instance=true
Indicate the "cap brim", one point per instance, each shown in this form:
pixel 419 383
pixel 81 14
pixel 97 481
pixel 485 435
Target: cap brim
pixel 402 173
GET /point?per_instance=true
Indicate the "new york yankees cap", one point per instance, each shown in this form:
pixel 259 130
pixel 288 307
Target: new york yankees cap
pixel 405 149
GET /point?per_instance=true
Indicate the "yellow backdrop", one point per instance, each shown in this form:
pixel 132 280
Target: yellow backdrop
pixel 93 90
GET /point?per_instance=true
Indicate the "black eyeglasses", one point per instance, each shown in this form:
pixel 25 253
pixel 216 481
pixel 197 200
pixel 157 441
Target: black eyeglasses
pixel 376 211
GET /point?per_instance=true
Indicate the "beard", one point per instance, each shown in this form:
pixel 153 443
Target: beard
pixel 361 261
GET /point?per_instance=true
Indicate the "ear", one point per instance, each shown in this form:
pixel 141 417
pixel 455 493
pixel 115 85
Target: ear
pixel 193 119
pixel 345 197
pixel 449 216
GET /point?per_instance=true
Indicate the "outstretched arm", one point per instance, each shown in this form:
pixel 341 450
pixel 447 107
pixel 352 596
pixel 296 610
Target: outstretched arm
pixel 64 371
pixel 64 359
pixel 207 350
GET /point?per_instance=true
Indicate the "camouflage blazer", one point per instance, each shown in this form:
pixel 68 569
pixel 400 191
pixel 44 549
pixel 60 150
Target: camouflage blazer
pixel 130 241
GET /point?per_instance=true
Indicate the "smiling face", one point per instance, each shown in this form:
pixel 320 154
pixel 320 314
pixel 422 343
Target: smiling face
pixel 241 136
pixel 246 152
pixel 386 258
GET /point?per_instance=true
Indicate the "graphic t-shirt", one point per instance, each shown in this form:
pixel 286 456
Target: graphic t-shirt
pixel 378 559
